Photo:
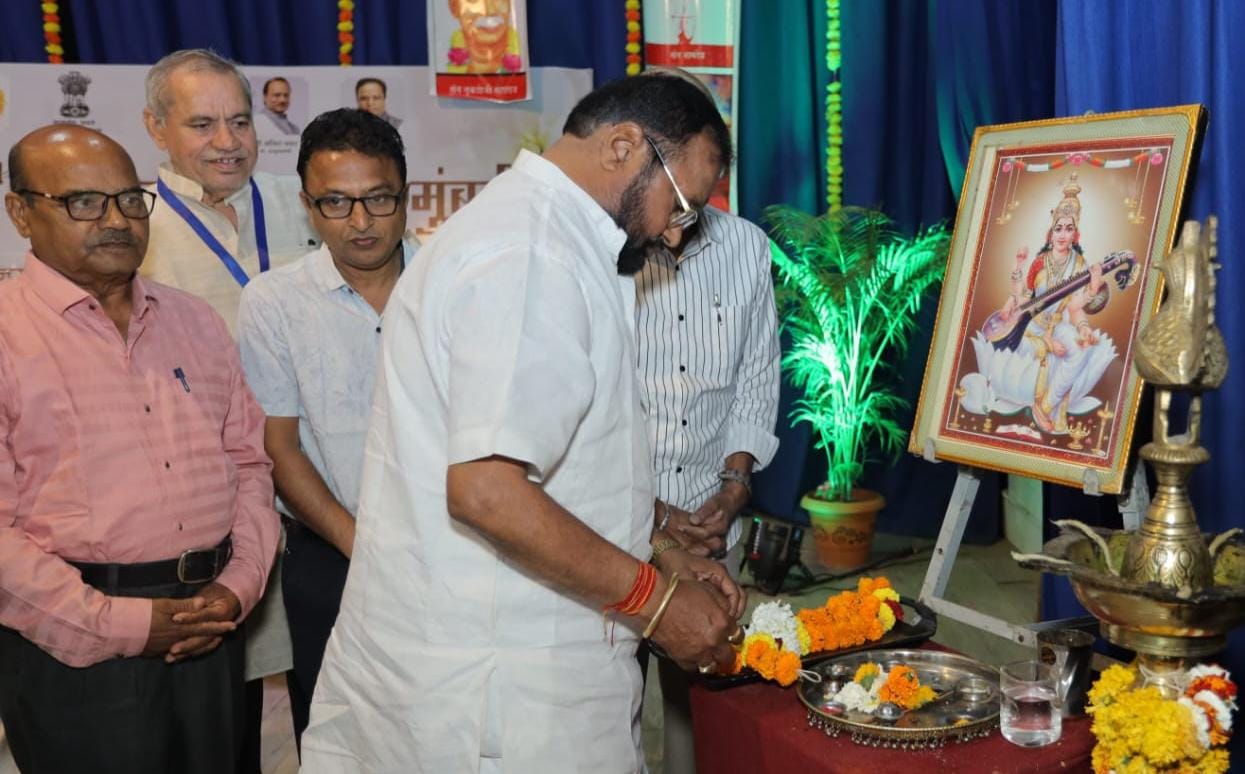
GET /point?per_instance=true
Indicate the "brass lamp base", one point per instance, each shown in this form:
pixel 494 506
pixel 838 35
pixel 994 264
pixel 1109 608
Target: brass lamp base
pixel 1168 646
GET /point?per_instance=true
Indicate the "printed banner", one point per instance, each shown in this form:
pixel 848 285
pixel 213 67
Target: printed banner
pixel 478 49
pixel 702 37
pixel 452 149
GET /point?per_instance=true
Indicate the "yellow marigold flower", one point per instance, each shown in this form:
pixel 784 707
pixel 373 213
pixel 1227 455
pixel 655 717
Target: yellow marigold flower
pixel 886 594
pixel 887 617
pixel 1213 762
pixel 1113 681
pixel 924 695
pixel 867 671
pixel 806 640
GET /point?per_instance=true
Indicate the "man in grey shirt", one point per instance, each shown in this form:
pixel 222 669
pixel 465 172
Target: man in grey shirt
pixel 309 334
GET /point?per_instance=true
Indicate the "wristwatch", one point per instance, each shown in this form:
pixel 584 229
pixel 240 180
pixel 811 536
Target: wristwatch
pixel 739 477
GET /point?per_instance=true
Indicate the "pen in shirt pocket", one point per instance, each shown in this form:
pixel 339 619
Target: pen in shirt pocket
pixel 717 306
pixel 181 377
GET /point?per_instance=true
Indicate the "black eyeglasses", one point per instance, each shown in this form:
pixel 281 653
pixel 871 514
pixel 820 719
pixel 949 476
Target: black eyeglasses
pixel 134 203
pixel 677 219
pixel 336 206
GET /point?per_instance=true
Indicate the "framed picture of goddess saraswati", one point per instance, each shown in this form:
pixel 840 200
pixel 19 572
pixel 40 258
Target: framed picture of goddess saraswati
pixel 1052 273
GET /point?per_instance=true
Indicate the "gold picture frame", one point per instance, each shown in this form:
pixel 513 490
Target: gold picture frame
pixel 1030 368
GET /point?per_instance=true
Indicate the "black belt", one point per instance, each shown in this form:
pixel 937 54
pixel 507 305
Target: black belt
pixel 200 565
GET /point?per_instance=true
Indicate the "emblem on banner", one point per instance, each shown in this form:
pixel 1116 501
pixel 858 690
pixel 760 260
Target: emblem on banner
pixel 73 87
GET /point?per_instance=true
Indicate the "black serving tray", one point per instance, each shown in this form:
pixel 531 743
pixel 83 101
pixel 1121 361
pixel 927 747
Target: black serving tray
pixel 918 625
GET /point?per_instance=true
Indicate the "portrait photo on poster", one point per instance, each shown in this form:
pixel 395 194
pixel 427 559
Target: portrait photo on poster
pixel 280 104
pixel 1053 271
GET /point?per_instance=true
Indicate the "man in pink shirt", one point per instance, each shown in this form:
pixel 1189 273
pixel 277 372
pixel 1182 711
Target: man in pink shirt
pixel 136 519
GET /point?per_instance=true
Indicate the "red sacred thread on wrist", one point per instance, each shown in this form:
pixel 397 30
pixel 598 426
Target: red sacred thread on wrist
pixel 641 591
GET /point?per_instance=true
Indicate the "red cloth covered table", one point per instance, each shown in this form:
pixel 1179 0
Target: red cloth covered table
pixel 763 729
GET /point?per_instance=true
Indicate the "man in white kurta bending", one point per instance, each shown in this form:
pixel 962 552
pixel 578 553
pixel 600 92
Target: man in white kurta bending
pixel 507 495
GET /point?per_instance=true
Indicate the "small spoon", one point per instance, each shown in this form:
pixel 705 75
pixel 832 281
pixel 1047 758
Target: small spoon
pixel 889 711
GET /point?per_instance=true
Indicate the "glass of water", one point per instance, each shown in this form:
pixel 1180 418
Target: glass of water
pixel 1029 715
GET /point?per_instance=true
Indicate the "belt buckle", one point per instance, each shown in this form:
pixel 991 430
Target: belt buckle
pixel 188 554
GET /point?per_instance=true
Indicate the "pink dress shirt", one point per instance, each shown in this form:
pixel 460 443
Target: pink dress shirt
pixel 106 455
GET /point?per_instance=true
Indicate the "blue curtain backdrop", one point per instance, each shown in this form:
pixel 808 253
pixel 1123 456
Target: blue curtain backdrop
pixel 917 79
pixel 561 33
pixel 21 34
pixel 1117 55
pixel 980 79
pixel 782 155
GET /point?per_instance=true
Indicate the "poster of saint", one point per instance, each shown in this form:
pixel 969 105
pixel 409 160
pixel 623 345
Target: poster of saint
pixel 477 49
pixel 1053 271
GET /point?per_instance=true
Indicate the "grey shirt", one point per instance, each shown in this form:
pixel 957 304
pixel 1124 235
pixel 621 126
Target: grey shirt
pixel 309 347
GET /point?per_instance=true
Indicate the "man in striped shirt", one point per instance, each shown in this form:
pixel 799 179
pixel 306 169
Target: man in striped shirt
pixel 707 340
pixel 136 519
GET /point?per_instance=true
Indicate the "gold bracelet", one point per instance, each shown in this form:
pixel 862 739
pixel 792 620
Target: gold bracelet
pixel 662 546
pixel 661 609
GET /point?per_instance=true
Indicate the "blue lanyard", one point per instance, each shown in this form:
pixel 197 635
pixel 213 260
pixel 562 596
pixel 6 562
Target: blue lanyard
pixel 196 225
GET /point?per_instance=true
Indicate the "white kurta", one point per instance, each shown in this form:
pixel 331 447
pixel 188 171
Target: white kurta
pixel 511 335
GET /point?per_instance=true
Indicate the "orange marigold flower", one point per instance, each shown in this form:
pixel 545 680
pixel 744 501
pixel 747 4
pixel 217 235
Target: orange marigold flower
pixel 755 648
pixel 786 668
pixel 901 687
pixel 870 585
pixel 766 663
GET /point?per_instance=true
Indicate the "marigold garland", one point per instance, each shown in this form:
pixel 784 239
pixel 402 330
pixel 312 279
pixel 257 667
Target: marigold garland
pixel 345 32
pixel 834 107
pixel 1140 731
pixel 634 60
pixel 847 619
pixel 52 32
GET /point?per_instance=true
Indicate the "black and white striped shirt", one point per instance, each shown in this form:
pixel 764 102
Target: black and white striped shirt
pixel 707 337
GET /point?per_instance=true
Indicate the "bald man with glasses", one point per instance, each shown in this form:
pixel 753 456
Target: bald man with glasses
pixel 136 520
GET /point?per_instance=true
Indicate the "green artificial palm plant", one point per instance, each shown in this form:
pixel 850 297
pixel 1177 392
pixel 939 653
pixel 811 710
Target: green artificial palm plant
pixel 850 286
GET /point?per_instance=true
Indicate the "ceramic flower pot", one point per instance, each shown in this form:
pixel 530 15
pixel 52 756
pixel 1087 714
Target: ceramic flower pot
pixel 843 530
